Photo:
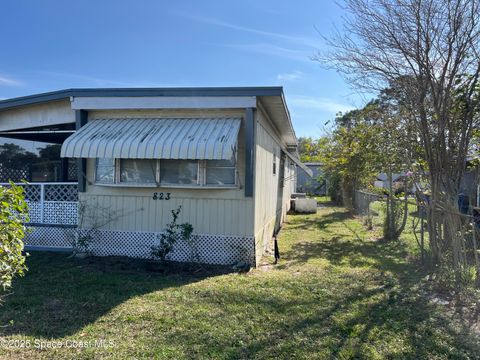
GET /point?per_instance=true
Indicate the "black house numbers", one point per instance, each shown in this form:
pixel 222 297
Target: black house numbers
pixel 161 196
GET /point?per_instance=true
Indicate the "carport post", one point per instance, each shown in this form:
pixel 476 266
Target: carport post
pixel 81 118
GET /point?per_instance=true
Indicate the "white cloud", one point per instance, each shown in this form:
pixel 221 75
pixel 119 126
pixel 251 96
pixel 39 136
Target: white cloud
pixel 299 40
pixel 274 50
pixel 290 76
pixel 7 81
pixel 318 103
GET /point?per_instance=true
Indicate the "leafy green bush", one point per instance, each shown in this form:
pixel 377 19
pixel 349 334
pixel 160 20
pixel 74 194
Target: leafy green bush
pixel 13 215
pixel 394 221
pixel 172 233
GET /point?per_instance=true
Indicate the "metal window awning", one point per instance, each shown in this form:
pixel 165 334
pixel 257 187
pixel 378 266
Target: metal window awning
pixel 155 138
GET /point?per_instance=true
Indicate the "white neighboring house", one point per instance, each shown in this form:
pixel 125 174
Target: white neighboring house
pixel 382 180
pixel 228 156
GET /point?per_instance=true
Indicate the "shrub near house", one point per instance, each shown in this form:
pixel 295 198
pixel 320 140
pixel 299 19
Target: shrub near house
pixel 13 213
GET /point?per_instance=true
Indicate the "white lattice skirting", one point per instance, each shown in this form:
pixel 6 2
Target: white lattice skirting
pixel 208 249
pixel 54 212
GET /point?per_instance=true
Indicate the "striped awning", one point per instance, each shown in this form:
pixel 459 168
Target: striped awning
pixel 159 138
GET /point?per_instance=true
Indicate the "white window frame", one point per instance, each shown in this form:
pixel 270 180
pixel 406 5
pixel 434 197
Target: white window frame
pixel 201 178
pixel 235 184
pixel 114 174
pixel 166 185
pixel 118 174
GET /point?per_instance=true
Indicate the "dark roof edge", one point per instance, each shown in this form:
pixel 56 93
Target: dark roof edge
pixel 141 92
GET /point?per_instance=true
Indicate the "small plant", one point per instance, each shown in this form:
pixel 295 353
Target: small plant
pixel 368 222
pixel 82 243
pixel 91 219
pixel 172 233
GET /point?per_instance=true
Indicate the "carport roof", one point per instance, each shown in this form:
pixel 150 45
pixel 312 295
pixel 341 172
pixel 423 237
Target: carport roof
pixel 272 97
pixel 141 92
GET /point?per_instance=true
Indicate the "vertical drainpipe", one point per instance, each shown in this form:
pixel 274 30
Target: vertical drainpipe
pixel 81 118
pixel 249 151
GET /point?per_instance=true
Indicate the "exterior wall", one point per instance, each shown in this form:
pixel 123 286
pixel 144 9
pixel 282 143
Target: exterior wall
pixel 128 208
pixel 51 113
pixel 127 217
pixel 267 147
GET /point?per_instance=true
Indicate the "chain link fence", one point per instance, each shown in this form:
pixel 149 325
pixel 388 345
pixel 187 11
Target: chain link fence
pixel 362 201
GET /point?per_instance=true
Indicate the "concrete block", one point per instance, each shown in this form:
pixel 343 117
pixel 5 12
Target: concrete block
pixel 305 206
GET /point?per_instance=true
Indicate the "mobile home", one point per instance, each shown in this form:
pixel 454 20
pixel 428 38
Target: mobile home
pixel 127 157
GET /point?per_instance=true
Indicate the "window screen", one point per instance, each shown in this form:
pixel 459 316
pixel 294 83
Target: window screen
pixel 220 172
pixel 139 171
pixel 105 171
pixel 181 172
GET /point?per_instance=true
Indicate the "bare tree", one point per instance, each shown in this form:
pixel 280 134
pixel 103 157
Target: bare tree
pixel 428 51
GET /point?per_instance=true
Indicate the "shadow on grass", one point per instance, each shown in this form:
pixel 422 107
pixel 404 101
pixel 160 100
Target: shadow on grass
pixel 354 253
pixel 302 222
pixel 351 250
pixel 355 320
pixel 396 307
pixel 60 295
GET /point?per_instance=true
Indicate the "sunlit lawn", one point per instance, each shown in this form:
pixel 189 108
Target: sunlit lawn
pixel 337 293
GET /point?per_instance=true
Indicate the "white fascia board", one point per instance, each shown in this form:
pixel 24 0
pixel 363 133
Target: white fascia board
pixel 163 102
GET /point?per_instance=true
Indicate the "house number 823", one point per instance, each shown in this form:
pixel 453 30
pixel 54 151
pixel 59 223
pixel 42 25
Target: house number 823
pixel 161 196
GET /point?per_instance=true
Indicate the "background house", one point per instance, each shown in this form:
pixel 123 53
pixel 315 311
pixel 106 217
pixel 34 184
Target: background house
pixel 469 188
pixel 226 155
pixel 314 184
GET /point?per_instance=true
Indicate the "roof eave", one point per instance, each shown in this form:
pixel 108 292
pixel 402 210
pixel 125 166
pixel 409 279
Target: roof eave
pixel 140 92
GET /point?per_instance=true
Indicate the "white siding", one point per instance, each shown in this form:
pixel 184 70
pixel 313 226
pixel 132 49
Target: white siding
pixel 210 211
pixel 268 147
pixel 164 102
pixel 51 113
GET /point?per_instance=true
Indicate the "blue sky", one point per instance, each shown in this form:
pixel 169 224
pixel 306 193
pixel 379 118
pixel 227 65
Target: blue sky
pixel 50 45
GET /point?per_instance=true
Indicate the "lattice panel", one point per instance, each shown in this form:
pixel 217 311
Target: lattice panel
pixel 56 212
pixel 72 170
pixel 15 175
pixel 50 236
pixel 208 249
pixel 34 211
pixel 61 192
pixel 32 192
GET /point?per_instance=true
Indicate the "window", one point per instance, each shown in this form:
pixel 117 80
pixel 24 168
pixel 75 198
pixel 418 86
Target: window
pixel 220 172
pixel 179 172
pixel 138 171
pixel 105 173
pixel 146 172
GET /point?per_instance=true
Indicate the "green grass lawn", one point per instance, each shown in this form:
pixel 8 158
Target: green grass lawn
pixel 336 293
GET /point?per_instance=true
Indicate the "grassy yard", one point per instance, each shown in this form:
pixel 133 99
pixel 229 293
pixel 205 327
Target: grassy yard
pixel 337 293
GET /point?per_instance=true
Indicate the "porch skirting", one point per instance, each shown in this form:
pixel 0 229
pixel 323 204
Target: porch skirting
pixel 204 248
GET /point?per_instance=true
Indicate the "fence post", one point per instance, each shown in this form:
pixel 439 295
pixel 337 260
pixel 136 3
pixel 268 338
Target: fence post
pixel 42 201
pixel 475 252
pixel 420 212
